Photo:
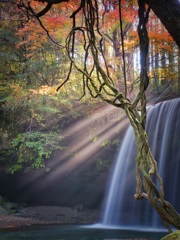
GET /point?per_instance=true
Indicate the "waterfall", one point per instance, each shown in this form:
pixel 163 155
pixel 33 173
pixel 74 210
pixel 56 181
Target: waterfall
pixel 120 207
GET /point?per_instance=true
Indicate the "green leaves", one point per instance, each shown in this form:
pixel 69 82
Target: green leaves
pixel 30 120
pixel 106 143
pixel 33 148
pixel 15 168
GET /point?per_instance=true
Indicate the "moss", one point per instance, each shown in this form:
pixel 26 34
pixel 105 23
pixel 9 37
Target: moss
pixel 172 236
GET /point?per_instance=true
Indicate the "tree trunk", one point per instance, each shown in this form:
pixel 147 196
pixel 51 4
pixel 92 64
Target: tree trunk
pixel 168 11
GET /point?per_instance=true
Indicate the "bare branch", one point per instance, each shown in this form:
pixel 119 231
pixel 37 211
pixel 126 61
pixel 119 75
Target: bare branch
pixel 52 1
pixel 123 51
pixel 44 11
pixel 48 34
pixel 67 78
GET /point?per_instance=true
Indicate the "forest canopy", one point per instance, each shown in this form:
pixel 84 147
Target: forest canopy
pixel 35 39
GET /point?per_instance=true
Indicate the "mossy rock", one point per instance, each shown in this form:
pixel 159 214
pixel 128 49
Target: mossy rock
pixel 3 210
pixel 172 236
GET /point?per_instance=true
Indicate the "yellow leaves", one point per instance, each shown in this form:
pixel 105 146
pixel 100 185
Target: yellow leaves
pixel 44 90
pixel 163 73
pixel 130 43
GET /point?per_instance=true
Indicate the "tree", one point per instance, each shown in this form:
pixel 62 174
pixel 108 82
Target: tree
pixel 167 11
pixel 97 79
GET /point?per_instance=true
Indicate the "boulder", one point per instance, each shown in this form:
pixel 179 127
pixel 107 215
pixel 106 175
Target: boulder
pixel 10 206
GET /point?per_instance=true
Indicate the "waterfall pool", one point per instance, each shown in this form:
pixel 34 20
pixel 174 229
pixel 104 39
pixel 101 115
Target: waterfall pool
pixel 75 232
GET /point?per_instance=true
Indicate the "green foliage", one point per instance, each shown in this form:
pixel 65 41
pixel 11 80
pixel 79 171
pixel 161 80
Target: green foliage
pixel 116 142
pixel 33 147
pixel 29 124
pixel 4 93
pixel 102 164
pixel 94 139
pixel 15 168
pixel 28 130
pixel 106 143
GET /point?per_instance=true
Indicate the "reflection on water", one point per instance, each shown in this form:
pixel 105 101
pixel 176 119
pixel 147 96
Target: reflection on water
pixel 74 232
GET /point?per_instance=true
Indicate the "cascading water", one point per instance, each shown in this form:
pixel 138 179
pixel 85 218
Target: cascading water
pixel 163 128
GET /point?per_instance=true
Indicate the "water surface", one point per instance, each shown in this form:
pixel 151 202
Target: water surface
pixel 74 232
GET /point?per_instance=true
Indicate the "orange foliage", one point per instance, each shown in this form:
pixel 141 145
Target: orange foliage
pixel 58 23
pixel 129 14
pixel 158 34
pixel 32 37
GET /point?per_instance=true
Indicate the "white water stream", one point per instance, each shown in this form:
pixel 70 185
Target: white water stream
pixel 163 128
